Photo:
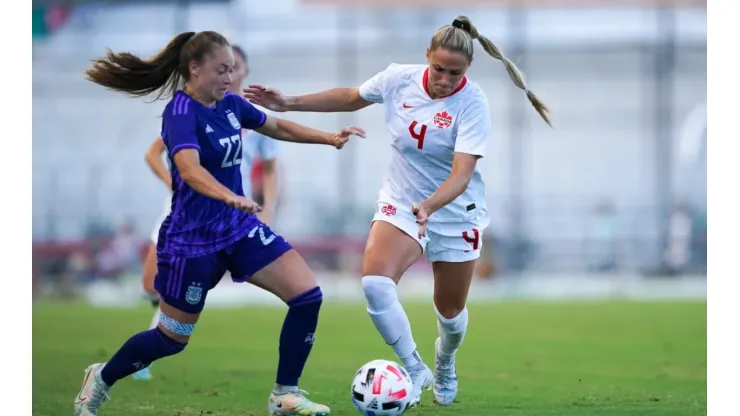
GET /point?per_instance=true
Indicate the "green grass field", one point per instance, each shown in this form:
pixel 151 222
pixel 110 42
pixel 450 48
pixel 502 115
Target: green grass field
pixel 518 359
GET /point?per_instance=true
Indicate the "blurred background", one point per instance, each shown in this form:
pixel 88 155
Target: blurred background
pixel 610 203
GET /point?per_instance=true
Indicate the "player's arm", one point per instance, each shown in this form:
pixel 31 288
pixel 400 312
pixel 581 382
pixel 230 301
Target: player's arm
pixel 197 177
pixel 335 100
pixel 472 139
pixel 179 129
pixel 153 158
pixel 289 131
pixel 463 166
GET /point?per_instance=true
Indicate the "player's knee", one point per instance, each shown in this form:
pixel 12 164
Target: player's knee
pixel 312 297
pixel 178 332
pixel 380 292
pixel 450 311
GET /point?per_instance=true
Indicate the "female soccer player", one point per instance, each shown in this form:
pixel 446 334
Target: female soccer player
pixel 255 144
pixel 433 196
pixel 212 227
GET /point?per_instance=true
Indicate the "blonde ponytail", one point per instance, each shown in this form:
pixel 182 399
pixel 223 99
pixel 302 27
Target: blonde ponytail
pixel 458 37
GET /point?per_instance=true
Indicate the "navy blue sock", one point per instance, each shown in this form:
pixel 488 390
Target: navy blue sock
pixel 138 352
pixel 297 336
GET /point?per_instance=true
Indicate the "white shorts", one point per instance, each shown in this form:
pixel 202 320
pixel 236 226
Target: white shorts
pixel 155 232
pixel 454 242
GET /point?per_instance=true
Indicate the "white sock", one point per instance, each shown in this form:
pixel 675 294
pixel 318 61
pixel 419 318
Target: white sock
pixel 452 331
pixel 155 319
pixel 389 317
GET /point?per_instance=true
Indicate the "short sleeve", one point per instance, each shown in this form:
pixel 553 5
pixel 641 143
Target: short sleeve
pixel 179 127
pixel 474 130
pixel 267 148
pixel 251 117
pixel 375 89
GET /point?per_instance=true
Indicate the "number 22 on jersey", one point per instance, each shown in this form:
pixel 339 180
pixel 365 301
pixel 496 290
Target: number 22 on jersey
pixel 232 159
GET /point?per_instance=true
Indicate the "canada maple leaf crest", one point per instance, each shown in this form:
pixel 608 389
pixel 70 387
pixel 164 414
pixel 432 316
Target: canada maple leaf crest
pixel 443 120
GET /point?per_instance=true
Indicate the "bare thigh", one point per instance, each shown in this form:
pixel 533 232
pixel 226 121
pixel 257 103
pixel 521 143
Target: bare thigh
pixel 389 251
pixel 179 316
pixel 451 286
pixel 286 277
pixel 149 270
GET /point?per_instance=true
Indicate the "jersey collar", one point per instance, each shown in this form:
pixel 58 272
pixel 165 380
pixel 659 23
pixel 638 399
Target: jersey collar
pixel 425 78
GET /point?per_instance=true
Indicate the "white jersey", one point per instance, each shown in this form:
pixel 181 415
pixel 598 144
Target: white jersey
pixel 426 134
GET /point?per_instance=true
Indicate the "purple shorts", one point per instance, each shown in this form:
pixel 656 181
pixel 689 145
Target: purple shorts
pixel 183 282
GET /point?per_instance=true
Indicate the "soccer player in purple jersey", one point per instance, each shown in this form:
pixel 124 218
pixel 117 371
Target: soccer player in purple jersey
pixel 255 144
pixel 212 227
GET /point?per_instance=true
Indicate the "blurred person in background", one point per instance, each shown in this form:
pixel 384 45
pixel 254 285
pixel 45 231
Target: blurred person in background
pixel 433 197
pixel 601 238
pixel 212 228
pixel 120 254
pixel 254 144
pixel 677 253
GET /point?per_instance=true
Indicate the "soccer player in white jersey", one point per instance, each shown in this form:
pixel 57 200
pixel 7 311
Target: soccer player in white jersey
pixel 433 197
pixel 256 145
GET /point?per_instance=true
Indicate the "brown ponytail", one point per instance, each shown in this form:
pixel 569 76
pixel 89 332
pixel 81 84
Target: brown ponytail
pixel 163 72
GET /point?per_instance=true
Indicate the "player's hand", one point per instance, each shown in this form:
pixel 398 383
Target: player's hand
pixel 269 98
pixel 422 217
pixel 339 139
pixel 244 204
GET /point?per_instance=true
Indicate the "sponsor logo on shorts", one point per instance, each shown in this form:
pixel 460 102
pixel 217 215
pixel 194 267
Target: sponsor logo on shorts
pixel 388 210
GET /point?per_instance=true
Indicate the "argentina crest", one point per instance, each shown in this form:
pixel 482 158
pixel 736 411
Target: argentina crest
pixel 234 122
pixel 194 293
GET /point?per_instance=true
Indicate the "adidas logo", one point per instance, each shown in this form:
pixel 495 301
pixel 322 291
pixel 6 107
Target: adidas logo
pixel 208 129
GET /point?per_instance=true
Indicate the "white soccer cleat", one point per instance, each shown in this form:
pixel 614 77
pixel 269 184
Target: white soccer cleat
pixel 445 376
pixel 423 378
pixel 295 403
pixel 92 394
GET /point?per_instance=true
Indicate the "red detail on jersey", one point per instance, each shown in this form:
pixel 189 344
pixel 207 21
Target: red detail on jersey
pixel 425 79
pixel 388 210
pixel 407 106
pixel 418 136
pixel 443 120
pixel 475 240
pixel 377 383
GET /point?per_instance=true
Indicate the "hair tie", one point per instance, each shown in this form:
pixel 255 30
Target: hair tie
pixel 464 25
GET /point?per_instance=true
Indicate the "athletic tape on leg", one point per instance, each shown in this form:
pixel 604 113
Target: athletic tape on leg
pixel 175 326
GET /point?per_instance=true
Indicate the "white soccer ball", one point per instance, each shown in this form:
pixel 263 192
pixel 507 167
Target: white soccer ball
pixel 382 388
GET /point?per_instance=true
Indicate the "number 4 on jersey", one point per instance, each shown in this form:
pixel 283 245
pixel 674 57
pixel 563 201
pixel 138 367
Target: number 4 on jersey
pixel 418 136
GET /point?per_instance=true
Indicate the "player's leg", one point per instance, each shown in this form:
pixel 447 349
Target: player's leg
pixel 149 271
pixel 390 250
pixel 182 284
pixel 453 258
pixel 268 261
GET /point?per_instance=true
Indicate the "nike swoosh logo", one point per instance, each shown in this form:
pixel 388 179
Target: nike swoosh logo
pixel 81 399
pixel 396 341
pixel 407 106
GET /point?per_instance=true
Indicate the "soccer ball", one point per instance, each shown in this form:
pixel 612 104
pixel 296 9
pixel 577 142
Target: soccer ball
pixel 382 388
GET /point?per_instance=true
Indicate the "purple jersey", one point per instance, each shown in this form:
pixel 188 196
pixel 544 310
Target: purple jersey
pixel 198 225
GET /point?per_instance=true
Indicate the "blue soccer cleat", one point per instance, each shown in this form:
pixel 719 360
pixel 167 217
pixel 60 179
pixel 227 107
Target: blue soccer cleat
pixel 144 374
